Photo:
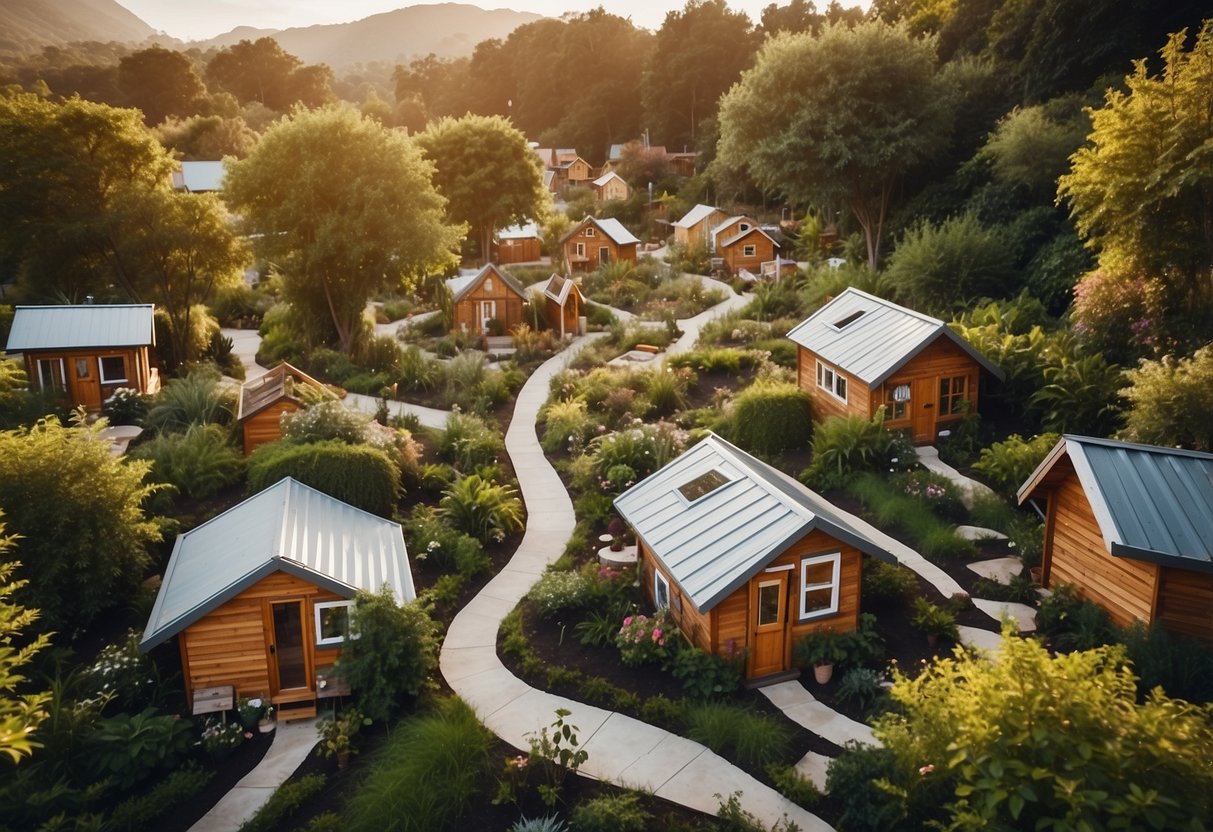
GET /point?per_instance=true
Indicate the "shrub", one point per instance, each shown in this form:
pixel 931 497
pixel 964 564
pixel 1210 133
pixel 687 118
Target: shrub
pixel 616 813
pixel 483 509
pixel 142 811
pixel 124 672
pixel 751 739
pixel 1072 623
pixel 934 620
pixel 417 370
pixel 642 640
pixel 936 266
pixel 860 685
pixel 196 399
pixel 1009 463
pixel 430 538
pixel 886 582
pixel 769 418
pixel 1180 665
pixel 1169 401
pixel 726 360
pixel 360 475
pixel 127 406
pixel 198 463
pixel 568 426
pixel 643 448
pixel 936 492
pixel 854 779
pixel 667 391
pixel 469 441
pixel 843 446
pixel 131 747
pixel 661 710
pixel 793 785
pixel 284 802
pixel 705 675
pixel 558 590
pixel 325 420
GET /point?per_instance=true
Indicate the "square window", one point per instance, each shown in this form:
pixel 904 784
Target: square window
pixel 819 581
pixel 333 621
pixel 749 251
pixel 702 485
pixel 589 231
pixel 113 369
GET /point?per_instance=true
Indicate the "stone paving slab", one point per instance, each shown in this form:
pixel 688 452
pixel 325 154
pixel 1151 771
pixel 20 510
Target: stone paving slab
pixel 487 692
pixel 979 533
pixel 802 707
pixel 1023 615
pixel 980 639
pixel 468 661
pixel 618 744
pixel 814 767
pixel 999 570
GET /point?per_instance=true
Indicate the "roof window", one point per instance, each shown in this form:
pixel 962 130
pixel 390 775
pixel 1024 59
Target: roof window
pixel 849 319
pixel 702 485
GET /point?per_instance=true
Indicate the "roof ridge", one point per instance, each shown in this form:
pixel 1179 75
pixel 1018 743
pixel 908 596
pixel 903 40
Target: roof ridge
pixel 1137 446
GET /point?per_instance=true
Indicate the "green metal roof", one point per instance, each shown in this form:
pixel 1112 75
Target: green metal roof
pixel 81 325
pixel 288 527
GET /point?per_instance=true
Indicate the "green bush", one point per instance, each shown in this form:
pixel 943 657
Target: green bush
pixel 431 538
pixel 1009 463
pixel 860 685
pixel 484 509
pixel 616 813
pixel 667 390
pixel 728 360
pixel 196 399
pixel 769 418
pixel 143 811
pixel 793 785
pixel 129 748
pixel 1169 401
pixel 886 582
pixel 283 803
pixel 705 675
pixel 845 446
pixel 198 463
pixel 360 475
pixel 854 779
pixel 568 426
pixel 1180 665
pixel 938 266
pixel 558 590
pixel 642 448
pixel 751 739
pixel 469 441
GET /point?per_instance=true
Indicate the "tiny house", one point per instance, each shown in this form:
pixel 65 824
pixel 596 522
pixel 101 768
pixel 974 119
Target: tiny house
pixel 519 244
pixel 695 226
pixel 489 299
pixel 264 399
pixel 593 242
pixel 747 249
pixel 859 352
pixel 83 353
pixel 259 598
pixel 563 305
pixel 1130 527
pixel 744 557
pixel 611 186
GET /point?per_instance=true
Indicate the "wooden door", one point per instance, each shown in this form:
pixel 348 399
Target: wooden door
pixel 289 649
pixel 768 623
pixel 604 255
pixel 86 384
pixel 488 311
pixel 922 405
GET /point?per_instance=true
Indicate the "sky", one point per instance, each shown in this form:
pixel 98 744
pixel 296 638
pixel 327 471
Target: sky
pixel 202 19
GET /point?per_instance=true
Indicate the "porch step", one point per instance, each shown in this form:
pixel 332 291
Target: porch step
pixel 772 679
pixel 296 710
pixel 288 696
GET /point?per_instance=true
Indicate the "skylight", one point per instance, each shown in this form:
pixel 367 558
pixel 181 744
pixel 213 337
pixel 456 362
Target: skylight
pixel 702 485
pixel 849 319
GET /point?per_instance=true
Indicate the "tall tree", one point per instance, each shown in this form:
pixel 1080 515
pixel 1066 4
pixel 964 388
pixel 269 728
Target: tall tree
pixel 263 71
pixel 698 53
pixel 161 83
pixel 344 207
pixel 841 116
pixel 462 150
pixel 203 138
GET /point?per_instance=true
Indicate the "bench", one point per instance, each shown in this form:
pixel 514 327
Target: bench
pixel 213 700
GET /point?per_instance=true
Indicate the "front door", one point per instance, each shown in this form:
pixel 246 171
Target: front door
pixel 604 255
pixel 288 653
pixel 922 403
pixel 488 311
pixel 768 623
pixel 85 382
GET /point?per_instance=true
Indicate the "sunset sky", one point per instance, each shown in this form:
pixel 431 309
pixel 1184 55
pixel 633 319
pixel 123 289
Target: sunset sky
pixel 201 19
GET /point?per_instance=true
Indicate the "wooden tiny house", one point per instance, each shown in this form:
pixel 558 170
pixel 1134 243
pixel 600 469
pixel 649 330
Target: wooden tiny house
pixel 859 352
pixel 563 305
pixel 1130 527
pixel 747 250
pixel 518 244
pixel 490 295
pixel 744 557
pixel 695 226
pixel 83 353
pixel 593 242
pixel 264 399
pixel 611 186
pixel 259 597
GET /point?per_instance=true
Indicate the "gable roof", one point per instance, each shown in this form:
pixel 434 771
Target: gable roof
pixel 611 227
pixel 696 215
pixel 715 544
pixel 1153 504
pixel 460 286
pixel 559 288
pixel 199 177
pixel 753 229
pixel 259 393
pixel 880 341
pixel 522 231
pixel 607 177
pixel 82 325
pixel 288 527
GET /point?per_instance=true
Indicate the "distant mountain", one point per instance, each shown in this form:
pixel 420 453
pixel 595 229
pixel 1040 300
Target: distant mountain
pixel 28 25
pixel 449 30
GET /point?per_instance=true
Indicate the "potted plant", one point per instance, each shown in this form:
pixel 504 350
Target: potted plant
pixel 267 723
pixel 615 529
pixel 219 737
pixel 337 735
pixel 934 621
pixel 249 711
pixel 821 650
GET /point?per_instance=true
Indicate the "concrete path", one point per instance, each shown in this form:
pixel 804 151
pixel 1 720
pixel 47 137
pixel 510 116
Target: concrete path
pixel 430 417
pixel 245 343
pixel 928 455
pixel 292 742
pixel 691 326
pixel 802 707
pixel 621 749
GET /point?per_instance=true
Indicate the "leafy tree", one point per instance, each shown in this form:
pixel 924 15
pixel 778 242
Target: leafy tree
pixel 160 82
pixel 1031 149
pixel 462 150
pixel 837 117
pixel 699 52
pixel 1170 401
pixel 78 510
pixel 262 71
pixel 938 267
pixel 395 651
pixel 203 138
pixel 20 714
pixel 438 87
pixel 345 208
pixel 796 16
pixel 1028 740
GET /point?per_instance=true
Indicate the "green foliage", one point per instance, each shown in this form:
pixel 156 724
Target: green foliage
pixel 642 448
pixel 886 582
pixel 771 417
pixel 616 813
pixel 1032 149
pixel 938 267
pixel 127 406
pixel 568 426
pixel 431 538
pixel 481 508
pixel 360 475
pixel 793 785
pixel 283 803
pixel 855 777
pixel 78 512
pixel 426 776
pixel 667 391
pixel 1008 464
pixel 934 620
pixel 196 399
pixel 124 674
pixel 324 420
pixel 845 446
pixel 1072 623
pixel 20 714
pixel 198 463
pixel 394 650
pixel 642 639
pixel 558 752
pixel 1180 665
pixel 747 737
pixel 934 537
pixel 548 823
pixel 1081 394
pixel 558 590
pixel 1169 400
pixel 470 441
pixel 860 685
pixel 144 810
pixel 471 385
pixel 131 747
pixel 822 646
pixel 705 675
pixel 337 732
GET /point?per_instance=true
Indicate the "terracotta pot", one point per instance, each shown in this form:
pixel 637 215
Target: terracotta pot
pixel 343 759
pixel 932 639
pixel 1037 573
pixel 822 673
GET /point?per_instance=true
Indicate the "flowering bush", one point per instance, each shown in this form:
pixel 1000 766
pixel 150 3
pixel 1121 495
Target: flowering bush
pixel 935 491
pixel 642 448
pixel 127 406
pixel 125 673
pixel 249 709
pixel 218 735
pixel 557 590
pixel 642 639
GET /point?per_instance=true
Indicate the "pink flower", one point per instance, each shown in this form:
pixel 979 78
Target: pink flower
pixel 248 735
pixel 656 634
pixel 627 621
pixel 925 770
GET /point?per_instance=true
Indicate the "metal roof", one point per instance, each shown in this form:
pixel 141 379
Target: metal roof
pixel 198 177
pixel 714 545
pixel 614 229
pixel 288 527
pixel 460 286
pixel 525 231
pixel 696 215
pixel 1153 504
pixel 258 393
pixel 879 342
pixel 607 177
pixel 85 325
pixel 753 229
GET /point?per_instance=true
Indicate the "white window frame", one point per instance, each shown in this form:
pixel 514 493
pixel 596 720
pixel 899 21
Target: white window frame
pixel 833 585
pixel 48 363
pixel 661 590
pixel 106 379
pixel 488 284
pixel 580 249
pixel 324 605
pixel 749 251
pixel 831 381
pixel 590 231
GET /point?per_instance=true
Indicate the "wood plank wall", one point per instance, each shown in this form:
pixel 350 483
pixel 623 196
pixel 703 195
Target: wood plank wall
pixel 1185 603
pixel 266 425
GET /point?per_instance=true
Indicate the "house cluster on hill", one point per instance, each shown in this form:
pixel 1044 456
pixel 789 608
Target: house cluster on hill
pixel 739 245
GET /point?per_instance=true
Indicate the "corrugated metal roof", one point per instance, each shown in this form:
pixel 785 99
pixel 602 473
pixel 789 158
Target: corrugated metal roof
pixel 879 342
pixel 289 527
pixel 695 216
pixel 199 177
pixel 713 545
pixel 736 238
pixel 460 286
pixel 607 177
pixel 84 325
pixel 614 229
pixel 1151 503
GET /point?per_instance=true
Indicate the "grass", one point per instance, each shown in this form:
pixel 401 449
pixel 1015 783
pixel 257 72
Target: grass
pixel 935 539
pixel 752 739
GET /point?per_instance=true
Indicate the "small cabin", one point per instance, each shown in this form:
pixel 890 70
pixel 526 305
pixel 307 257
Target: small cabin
pixel 611 186
pixel 264 399
pixel 859 352
pixel 563 305
pixel 1130 527
pixel 744 557
pixel 747 249
pixel 519 244
pixel 259 598
pixel 695 227
pixel 593 242
pixel 486 301
pixel 82 353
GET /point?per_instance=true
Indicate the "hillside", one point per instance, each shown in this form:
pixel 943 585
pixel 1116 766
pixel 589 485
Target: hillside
pixel 28 25
pixel 446 29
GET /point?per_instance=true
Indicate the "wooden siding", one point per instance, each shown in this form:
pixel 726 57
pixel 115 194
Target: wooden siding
pixel 508 306
pixel 266 426
pixel 90 391
pixel 701 232
pixel 735 257
pixel 822 403
pixel 519 251
pixel 1075 554
pixel 229 645
pixel 571 313
pixel 1185 603
pixel 592 242
pixel 613 189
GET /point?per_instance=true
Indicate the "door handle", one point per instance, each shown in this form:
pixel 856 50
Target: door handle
pixel 273 649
